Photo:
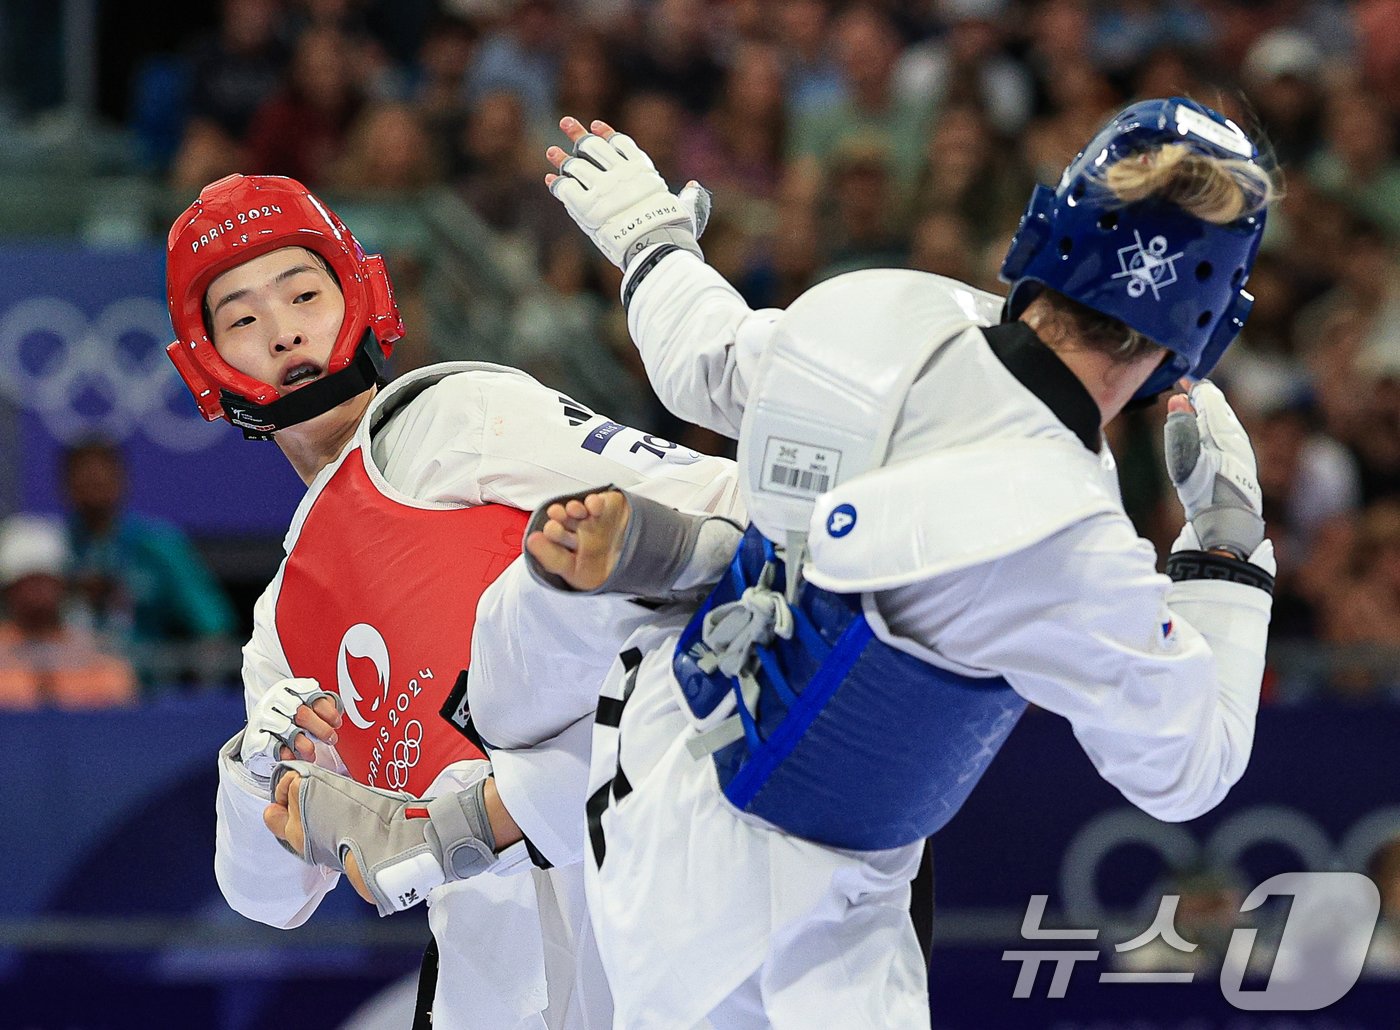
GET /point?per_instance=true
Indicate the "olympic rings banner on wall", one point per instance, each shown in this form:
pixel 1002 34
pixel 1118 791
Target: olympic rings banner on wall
pixel 82 354
pixel 1319 794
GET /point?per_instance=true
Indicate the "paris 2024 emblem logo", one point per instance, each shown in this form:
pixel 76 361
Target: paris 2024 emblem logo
pixel 402 738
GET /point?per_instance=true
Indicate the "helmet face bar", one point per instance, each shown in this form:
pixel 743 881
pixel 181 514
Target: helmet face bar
pixel 1173 277
pixel 242 217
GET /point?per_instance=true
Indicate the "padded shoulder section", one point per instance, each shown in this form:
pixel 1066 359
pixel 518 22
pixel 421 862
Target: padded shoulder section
pixel 889 301
pixel 950 510
pixel 833 379
pixel 404 389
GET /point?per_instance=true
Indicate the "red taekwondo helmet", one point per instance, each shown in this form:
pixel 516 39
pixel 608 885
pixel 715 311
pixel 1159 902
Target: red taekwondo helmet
pixel 242 217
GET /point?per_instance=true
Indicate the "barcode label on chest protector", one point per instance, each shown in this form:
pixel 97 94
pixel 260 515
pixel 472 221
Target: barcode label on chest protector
pixel 799 469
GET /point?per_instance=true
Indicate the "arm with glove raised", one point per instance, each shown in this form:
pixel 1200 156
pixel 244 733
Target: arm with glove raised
pixel 1222 566
pixel 699 340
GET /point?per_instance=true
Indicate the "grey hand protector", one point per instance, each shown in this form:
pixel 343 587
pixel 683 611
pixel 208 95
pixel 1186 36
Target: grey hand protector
pixel 404 846
pixel 1229 521
pixel 657 550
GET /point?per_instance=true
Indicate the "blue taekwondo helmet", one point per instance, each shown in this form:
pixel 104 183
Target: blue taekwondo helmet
pixel 1173 277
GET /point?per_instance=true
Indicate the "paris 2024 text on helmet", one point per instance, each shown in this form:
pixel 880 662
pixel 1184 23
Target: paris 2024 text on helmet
pixel 1176 278
pixel 242 217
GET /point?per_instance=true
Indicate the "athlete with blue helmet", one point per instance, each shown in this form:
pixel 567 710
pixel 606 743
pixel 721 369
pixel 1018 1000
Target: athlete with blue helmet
pixel 936 540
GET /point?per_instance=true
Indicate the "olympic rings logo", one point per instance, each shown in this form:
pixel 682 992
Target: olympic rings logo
pixel 106 375
pixel 1275 826
pixel 407 750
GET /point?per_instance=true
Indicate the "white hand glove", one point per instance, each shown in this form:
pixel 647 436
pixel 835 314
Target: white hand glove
pixel 271 724
pixel 1212 466
pixel 612 190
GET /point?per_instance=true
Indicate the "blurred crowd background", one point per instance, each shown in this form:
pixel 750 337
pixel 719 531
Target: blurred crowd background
pixel 834 136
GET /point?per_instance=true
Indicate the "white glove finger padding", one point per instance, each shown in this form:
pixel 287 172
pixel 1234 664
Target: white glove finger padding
pixel 598 150
pixel 404 846
pixel 1221 427
pixel 613 193
pixel 272 723
pixel 308 698
pixel 569 190
pixel 582 170
pixel 1212 466
pixel 627 147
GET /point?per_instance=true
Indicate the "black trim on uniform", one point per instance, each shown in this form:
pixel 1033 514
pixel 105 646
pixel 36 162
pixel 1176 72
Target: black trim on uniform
pixel 621 785
pixel 260 421
pixel 536 855
pixel 645 269
pixel 595 807
pixel 427 988
pixel 1184 565
pixel 610 714
pixel 459 716
pixel 1040 370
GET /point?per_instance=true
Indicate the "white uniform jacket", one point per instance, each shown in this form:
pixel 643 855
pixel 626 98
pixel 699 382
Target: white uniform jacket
pixel 1160 680
pixel 476 434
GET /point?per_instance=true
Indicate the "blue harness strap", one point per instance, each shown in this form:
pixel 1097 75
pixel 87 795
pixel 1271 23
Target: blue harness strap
pixel 852 743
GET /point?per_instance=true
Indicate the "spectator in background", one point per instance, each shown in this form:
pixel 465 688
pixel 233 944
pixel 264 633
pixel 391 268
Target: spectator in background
pixel 1080 98
pixel 42 660
pixel 1262 369
pixel 1057 33
pixel 493 153
pixel 938 245
pixel 569 307
pixel 234 73
pixel 814 78
pixel 863 231
pixel 1360 607
pixel 673 55
pixel 967 65
pixel 1383 958
pixel 1359 162
pixel 299 132
pixel 868 49
pixel 1283 75
pixel 1306 476
pixel 522 58
pixel 137 581
pixel 443 62
pixel 1127 31
pixel 967 170
pixel 1375 22
pixel 588 75
pixel 737 150
pixel 387 151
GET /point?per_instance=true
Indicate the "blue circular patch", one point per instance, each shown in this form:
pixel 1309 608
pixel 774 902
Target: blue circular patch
pixel 841 520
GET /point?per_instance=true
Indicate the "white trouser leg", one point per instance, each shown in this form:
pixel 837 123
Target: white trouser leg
pixel 694 899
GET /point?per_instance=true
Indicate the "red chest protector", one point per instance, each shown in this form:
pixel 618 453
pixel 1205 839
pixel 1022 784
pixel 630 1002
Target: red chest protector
pixel 378 602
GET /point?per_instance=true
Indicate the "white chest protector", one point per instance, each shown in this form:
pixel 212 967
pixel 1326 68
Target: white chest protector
pixel 817 428
pixel 819 687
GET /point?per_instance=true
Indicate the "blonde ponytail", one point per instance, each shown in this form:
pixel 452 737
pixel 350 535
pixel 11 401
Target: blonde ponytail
pixel 1216 190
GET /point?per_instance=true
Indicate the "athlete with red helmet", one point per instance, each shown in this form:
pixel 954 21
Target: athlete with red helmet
pixel 401 559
